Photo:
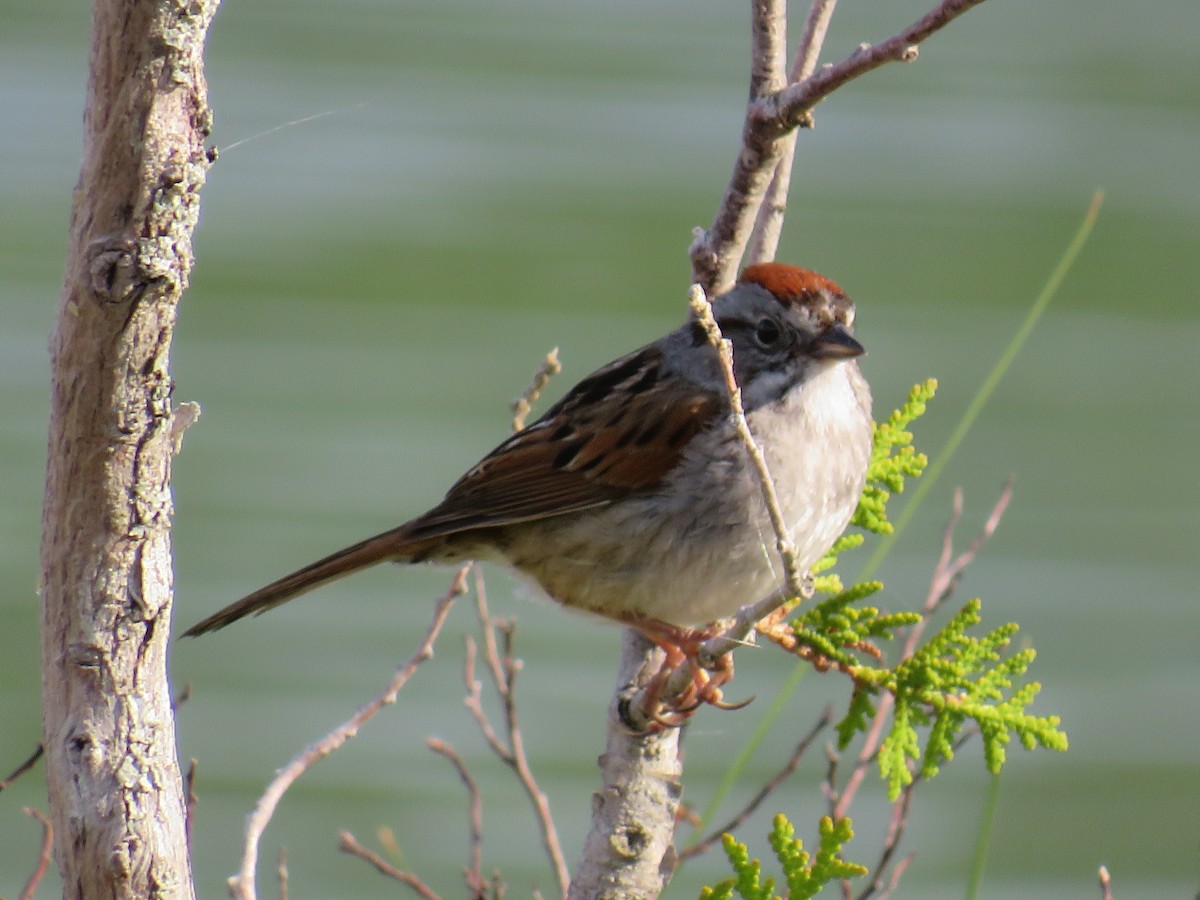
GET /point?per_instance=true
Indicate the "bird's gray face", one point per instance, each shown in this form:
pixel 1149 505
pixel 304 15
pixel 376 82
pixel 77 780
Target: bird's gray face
pixel 779 343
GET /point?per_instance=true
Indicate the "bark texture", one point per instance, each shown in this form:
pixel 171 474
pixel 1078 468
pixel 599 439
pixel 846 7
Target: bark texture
pixel 629 851
pixel 115 790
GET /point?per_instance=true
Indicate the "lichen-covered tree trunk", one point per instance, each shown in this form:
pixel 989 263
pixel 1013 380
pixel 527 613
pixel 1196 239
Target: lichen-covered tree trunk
pixel 115 791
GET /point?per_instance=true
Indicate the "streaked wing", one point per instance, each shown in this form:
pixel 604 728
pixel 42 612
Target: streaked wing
pixel 585 452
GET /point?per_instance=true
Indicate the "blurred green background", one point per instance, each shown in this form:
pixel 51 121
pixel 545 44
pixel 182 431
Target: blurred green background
pixel 487 180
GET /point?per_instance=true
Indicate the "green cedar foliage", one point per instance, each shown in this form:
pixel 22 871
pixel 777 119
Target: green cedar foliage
pixel 948 682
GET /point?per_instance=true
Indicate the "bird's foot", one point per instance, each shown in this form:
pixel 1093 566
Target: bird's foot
pixel 682 685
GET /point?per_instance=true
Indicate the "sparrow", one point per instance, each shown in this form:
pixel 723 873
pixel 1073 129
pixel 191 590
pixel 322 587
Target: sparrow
pixel 633 498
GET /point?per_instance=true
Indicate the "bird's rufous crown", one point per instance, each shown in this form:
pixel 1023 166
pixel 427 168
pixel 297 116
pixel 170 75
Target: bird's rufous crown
pixel 788 283
pixel 825 301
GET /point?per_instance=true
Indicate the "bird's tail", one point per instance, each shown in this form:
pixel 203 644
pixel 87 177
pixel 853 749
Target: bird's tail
pixel 391 545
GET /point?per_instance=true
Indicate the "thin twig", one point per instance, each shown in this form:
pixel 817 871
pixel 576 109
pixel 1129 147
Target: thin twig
pixel 765 791
pixel 898 871
pixel 474 703
pixel 504 668
pixel 522 405
pixel 347 843
pixel 43 864
pixel 950 568
pixel 896 825
pixel 476 883
pixel 24 767
pixel 701 308
pixel 489 627
pixel 716 251
pixel 789 107
pixel 242 884
pixel 895 834
pixel 816 26
pixel 1105 884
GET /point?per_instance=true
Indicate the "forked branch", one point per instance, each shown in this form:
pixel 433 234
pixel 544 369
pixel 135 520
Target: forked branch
pixel 242 885
pixel 772 114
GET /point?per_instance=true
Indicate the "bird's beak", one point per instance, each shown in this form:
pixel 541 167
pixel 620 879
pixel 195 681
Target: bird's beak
pixel 836 343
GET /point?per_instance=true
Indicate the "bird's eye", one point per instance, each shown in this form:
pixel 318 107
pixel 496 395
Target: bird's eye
pixel 767 333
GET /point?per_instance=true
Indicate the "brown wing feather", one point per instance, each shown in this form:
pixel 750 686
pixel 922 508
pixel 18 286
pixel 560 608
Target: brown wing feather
pixel 582 453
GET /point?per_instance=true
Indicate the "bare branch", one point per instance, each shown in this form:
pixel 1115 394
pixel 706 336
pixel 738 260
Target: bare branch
pixel 897 873
pixel 474 703
pixel 950 568
pixel 242 884
pixel 474 875
pixel 347 843
pixel 768 36
pixel 769 223
pixel 770 117
pixel 816 26
pixel 43 864
pixel 1105 884
pixel 789 108
pixel 504 669
pixel 764 792
pixel 891 844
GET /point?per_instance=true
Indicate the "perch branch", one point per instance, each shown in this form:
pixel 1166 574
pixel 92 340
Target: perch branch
pixel 628 851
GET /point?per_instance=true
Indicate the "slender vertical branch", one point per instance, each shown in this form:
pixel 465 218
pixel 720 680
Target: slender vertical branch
pixel 504 668
pixel 716 252
pixel 769 225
